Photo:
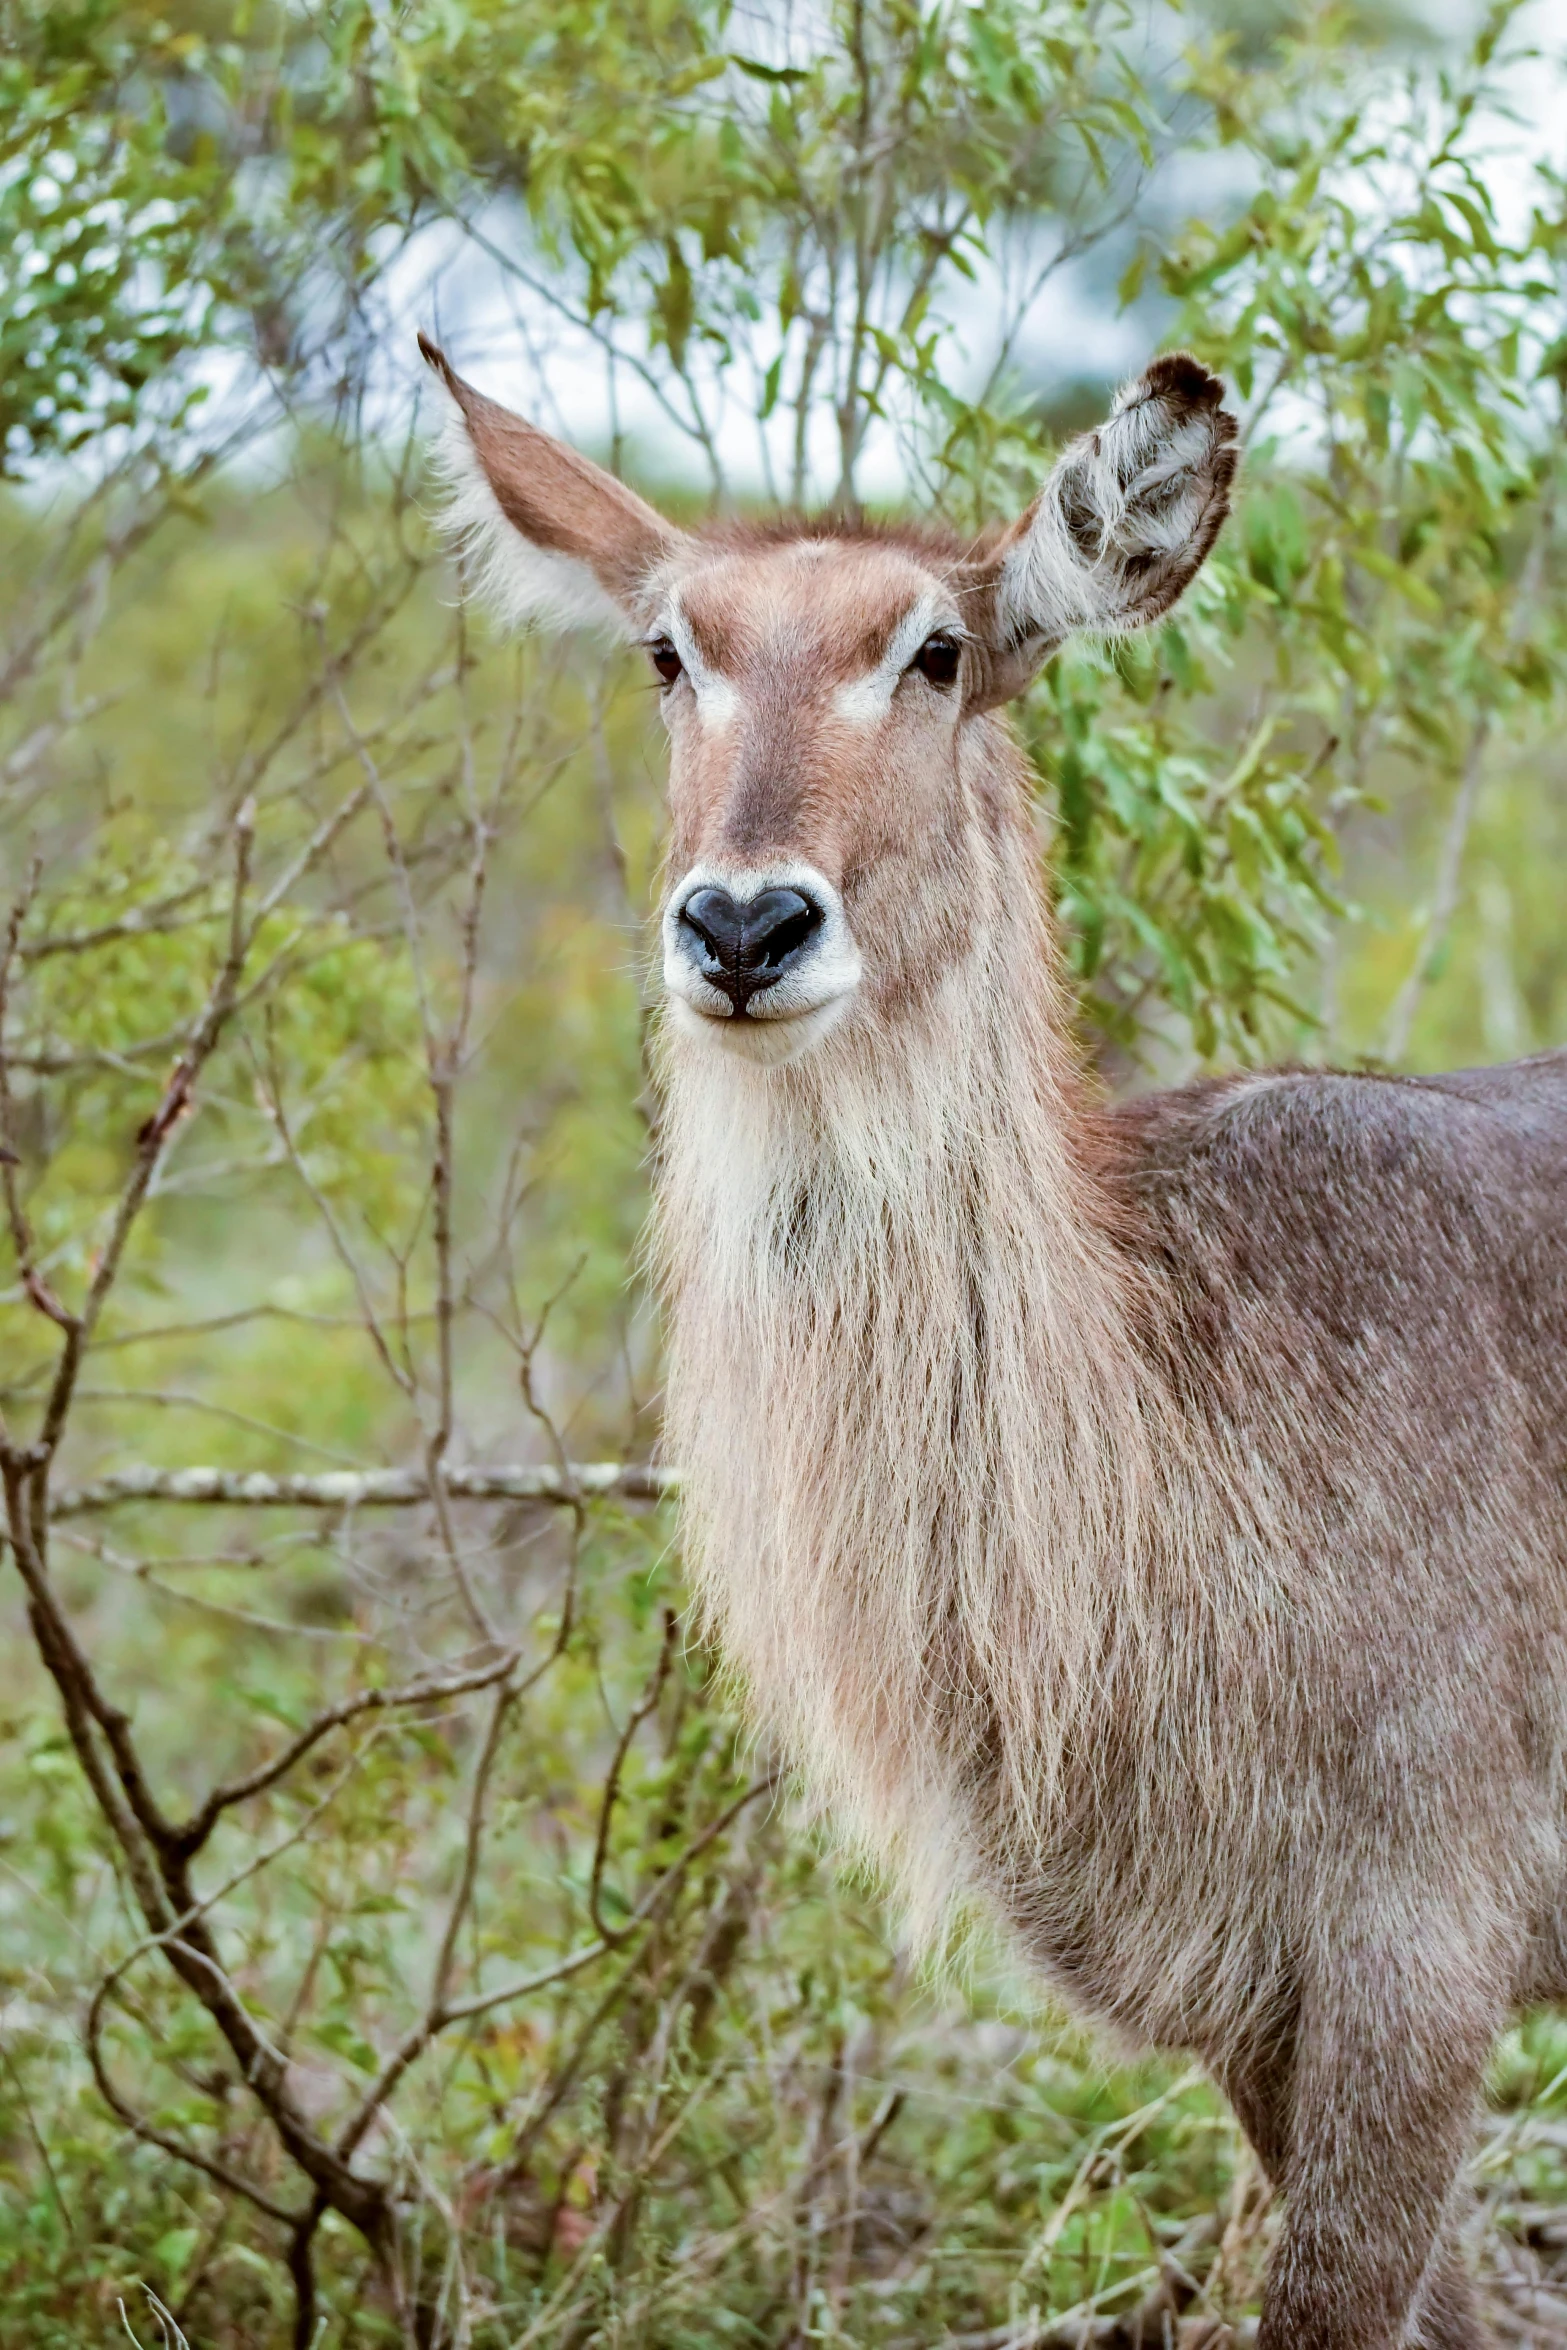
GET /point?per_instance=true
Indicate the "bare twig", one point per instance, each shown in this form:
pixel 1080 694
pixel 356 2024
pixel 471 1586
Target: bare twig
pixel 35 1287
pixel 645 1705
pixel 366 1489
pixel 1444 895
pixel 177 1096
pixel 143 922
pixel 193 1834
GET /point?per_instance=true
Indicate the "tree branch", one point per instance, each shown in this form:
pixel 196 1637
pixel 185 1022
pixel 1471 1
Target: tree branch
pixel 360 1489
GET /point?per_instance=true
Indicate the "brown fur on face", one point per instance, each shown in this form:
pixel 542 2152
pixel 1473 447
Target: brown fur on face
pixel 784 628
pixel 768 765
pixel 1154 1521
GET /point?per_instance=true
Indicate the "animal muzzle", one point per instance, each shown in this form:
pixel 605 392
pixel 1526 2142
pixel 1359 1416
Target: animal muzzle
pixel 760 962
pixel 743 946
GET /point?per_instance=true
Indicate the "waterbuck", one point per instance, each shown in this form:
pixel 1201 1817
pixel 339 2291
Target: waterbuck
pixel 1150 1519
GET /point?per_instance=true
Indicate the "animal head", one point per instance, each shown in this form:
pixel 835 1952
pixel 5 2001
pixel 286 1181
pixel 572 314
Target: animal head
pixel 838 775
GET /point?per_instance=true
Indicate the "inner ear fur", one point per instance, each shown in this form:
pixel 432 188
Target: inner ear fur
pixel 552 536
pixel 1120 530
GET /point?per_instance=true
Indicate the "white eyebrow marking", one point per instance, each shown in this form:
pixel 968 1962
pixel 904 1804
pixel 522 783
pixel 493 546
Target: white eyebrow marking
pixel 865 699
pixel 717 701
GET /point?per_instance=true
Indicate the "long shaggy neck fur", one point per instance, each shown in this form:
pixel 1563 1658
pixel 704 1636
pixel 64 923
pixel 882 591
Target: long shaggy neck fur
pixel 927 1466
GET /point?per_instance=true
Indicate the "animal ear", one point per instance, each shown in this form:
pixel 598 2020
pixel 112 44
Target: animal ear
pixel 1120 529
pixel 551 536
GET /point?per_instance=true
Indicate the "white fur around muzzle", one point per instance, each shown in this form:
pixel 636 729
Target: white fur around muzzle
pixel 792 1016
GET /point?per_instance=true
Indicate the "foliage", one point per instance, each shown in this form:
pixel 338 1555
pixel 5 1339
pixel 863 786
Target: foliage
pixel 99 222
pixel 521 2007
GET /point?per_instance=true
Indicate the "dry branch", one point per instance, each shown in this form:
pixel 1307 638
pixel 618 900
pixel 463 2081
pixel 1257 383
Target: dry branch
pixel 357 1489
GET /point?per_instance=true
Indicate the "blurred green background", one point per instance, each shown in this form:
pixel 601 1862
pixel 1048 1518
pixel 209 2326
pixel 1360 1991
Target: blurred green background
pixel 876 255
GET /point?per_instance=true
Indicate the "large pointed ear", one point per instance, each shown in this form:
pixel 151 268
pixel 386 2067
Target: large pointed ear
pixel 551 537
pixel 1118 532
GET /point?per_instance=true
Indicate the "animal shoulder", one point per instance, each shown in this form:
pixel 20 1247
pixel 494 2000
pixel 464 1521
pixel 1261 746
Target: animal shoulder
pixel 1345 1196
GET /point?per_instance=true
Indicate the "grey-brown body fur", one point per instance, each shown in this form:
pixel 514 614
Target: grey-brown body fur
pixel 1153 1520
pixel 1370 1276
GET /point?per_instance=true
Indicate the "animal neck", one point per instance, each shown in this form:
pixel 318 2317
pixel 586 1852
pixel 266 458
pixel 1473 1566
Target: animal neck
pixel 919 1440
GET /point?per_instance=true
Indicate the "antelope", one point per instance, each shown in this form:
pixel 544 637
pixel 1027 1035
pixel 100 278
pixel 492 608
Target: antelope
pixel 1148 1519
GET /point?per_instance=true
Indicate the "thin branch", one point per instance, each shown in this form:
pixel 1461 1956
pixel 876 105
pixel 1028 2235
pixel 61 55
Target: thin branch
pixel 204 1326
pixel 272 1105
pixel 193 1834
pixel 310 856
pixel 176 1100
pixel 645 1705
pixel 1444 896
pixel 151 2135
pixel 357 1489
pixel 35 1287
pixel 145 922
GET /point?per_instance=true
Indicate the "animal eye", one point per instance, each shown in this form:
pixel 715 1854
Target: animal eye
pixel 938 659
pixel 664 658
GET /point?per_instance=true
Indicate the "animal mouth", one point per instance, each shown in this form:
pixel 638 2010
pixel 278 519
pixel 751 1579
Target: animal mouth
pixel 775 1017
pixel 765 1014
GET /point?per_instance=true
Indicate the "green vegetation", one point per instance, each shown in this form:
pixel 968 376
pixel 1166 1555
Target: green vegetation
pixel 520 2006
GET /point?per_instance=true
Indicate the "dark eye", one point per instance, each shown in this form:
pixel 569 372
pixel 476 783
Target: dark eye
pixel 938 659
pixel 664 658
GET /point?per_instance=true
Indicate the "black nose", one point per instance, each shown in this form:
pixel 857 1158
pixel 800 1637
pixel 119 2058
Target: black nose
pixel 748 944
